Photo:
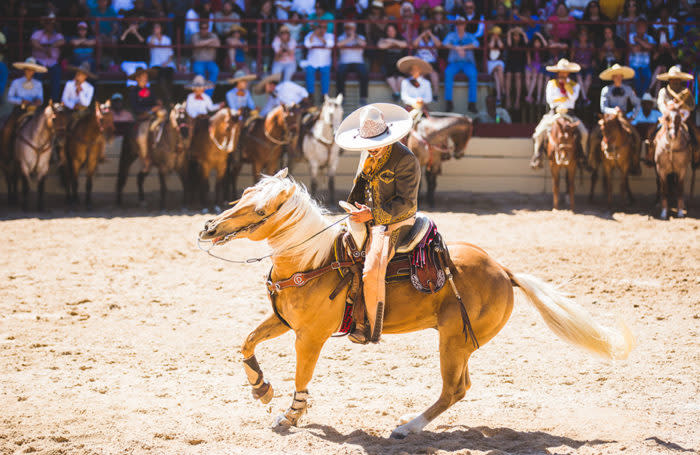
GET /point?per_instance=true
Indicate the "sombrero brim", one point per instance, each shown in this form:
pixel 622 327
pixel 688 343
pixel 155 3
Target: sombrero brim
pixel 571 68
pixel 405 63
pixel 669 76
pixel 151 73
pixel 206 86
pixel 90 74
pixel 30 66
pixel 260 86
pixel 625 71
pixel 397 118
pixel 247 77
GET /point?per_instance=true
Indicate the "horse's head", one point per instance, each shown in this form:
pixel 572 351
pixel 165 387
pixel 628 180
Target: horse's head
pixel 332 111
pixel 462 139
pixel 220 123
pixel 60 117
pixel 105 118
pixel 672 122
pixel 564 138
pixel 250 215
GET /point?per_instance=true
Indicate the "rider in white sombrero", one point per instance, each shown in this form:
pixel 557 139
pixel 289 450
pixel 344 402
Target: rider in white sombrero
pixel 416 90
pixel 561 94
pixel 25 93
pixel 198 102
pixel 615 98
pixel 385 195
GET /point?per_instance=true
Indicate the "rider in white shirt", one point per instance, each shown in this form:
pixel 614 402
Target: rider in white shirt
pixel 561 94
pixel 78 92
pixel 199 103
pixel 287 93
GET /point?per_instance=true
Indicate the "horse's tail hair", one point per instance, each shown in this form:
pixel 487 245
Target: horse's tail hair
pixel 571 322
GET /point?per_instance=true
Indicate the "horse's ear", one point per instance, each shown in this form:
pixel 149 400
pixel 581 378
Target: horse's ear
pixel 325 97
pixel 339 98
pixel 282 174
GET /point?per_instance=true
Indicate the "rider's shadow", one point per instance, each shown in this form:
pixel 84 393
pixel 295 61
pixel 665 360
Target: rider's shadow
pixel 460 438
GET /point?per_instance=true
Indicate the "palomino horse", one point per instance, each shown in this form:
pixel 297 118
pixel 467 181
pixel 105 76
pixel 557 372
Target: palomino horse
pixel 213 140
pixel 319 145
pixel 672 156
pixel 263 143
pixel 561 145
pixel 84 146
pixel 281 212
pixel 34 142
pixel 436 139
pixel 617 146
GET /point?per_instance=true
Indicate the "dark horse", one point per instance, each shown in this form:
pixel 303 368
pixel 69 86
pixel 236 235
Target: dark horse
pixel 84 146
pixel 263 143
pixel 213 140
pixel 167 152
pixel 436 139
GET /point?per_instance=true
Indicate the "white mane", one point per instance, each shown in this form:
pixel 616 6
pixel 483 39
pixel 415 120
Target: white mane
pixel 303 218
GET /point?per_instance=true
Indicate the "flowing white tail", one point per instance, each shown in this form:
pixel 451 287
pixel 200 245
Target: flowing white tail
pixel 571 322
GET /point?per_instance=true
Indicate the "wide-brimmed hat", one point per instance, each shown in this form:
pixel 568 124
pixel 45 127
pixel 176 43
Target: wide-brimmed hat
pixel 199 82
pixel 241 75
pixel 564 66
pixel 83 68
pixel 373 126
pixel 617 70
pixel 675 73
pixel 260 86
pixel 139 71
pixel 496 30
pixel 377 4
pixel 30 64
pixel 242 30
pixel 437 9
pixel 647 97
pixel 406 63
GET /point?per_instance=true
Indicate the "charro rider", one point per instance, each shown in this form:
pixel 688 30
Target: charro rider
pixel 676 95
pixel 287 93
pixel 144 105
pixel 561 94
pixel 416 90
pixel 615 98
pixel 199 103
pixel 25 93
pixel 239 99
pixel 385 195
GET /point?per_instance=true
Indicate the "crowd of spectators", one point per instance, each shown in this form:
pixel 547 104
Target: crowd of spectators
pixel 510 40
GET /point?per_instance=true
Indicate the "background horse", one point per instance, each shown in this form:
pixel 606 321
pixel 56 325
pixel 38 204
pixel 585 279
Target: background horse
pixel 33 145
pixel 319 145
pixel 280 211
pixel 672 156
pixel 8 166
pixel 436 139
pixel 617 147
pixel 561 145
pixel 213 140
pixel 262 144
pixel 84 146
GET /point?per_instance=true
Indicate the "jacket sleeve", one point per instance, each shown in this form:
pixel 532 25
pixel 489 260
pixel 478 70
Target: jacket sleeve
pixel 404 202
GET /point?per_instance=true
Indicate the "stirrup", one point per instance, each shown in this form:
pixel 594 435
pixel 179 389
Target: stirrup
pixel 378 323
pixel 359 336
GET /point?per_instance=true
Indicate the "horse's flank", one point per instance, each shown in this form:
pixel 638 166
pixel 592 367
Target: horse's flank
pixel 33 145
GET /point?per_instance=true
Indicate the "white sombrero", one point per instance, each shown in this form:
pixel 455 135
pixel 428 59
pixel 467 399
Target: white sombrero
pixel 625 71
pixel 30 64
pixel 406 63
pixel 564 66
pixel 241 75
pixel 675 73
pixel 260 86
pixel 373 126
pixel 199 82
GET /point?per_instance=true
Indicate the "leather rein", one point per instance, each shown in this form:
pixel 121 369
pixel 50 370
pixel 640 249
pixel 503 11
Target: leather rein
pixel 429 146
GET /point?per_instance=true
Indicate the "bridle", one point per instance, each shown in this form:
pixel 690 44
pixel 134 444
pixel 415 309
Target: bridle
pixel 252 227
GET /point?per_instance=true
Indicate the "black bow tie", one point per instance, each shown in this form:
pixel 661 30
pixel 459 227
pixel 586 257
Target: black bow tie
pixel 415 83
pixel 618 91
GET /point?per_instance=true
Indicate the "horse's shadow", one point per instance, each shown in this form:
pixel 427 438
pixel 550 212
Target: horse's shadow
pixel 453 438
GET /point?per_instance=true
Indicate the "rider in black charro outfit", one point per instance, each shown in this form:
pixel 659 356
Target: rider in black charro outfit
pixel 385 196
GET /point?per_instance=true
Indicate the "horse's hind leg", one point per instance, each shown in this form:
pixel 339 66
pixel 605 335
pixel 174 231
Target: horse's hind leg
pixel 25 193
pixel 454 354
pixel 40 194
pixel 163 189
pixel 270 328
pixel 594 180
pixel 625 188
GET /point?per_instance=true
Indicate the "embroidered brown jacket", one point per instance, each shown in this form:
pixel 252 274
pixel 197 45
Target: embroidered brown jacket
pixel 391 189
pixel 666 94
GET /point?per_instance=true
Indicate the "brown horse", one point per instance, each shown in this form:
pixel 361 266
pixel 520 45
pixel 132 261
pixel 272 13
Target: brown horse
pixel 33 144
pixel 436 139
pixel 8 166
pixel 672 155
pixel 617 146
pixel 263 143
pixel 84 146
pixel 213 140
pixel 561 145
pixel 281 212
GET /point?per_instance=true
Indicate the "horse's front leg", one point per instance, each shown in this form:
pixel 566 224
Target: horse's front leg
pixel 664 188
pixel 625 187
pixel 681 195
pixel 308 349
pixel 571 183
pixel 555 187
pixel 607 181
pixel 271 327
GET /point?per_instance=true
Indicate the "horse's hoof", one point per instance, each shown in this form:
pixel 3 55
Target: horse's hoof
pixel 664 214
pixel 396 434
pixel 205 211
pixel 681 213
pixel 267 396
pixel 282 422
pixel 217 209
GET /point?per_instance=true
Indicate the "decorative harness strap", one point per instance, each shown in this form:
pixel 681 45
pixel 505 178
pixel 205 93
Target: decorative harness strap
pixel 429 146
pixel 299 279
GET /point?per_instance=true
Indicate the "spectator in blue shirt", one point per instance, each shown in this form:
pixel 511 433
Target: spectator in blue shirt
pixel 461 58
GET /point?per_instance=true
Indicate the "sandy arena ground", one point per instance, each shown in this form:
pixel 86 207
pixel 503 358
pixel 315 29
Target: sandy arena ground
pixel 118 336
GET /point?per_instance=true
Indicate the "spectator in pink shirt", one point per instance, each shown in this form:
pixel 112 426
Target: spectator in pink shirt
pixel 561 25
pixel 46 48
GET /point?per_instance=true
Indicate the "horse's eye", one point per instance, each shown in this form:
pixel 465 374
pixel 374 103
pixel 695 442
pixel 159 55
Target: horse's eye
pixel 261 212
